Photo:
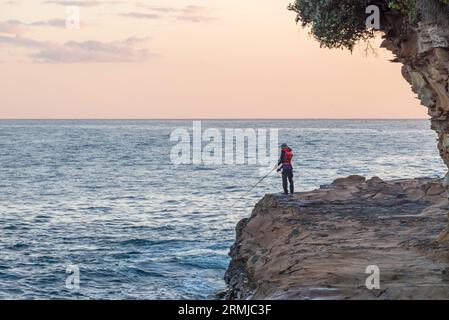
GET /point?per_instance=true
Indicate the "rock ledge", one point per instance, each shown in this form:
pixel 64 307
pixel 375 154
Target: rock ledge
pixel 317 245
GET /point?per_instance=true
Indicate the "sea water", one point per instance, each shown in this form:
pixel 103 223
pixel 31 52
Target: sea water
pixel 103 198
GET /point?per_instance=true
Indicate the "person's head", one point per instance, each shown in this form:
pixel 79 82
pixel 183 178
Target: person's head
pixel 284 146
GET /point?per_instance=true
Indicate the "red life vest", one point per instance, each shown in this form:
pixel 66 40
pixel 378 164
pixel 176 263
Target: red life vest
pixel 288 155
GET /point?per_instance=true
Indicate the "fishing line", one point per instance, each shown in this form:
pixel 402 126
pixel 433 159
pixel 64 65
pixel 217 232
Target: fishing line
pixel 275 167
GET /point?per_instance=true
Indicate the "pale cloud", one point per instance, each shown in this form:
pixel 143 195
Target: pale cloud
pixel 195 14
pixel 12 27
pixel 17 27
pixel 83 3
pixel 91 51
pixel 191 13
pixel 58 23
pixel 140 15
pixel 13 3
pixel 164 9
pixel 20 41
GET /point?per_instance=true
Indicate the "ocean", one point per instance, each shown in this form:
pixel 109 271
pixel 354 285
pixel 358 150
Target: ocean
pixel 102 201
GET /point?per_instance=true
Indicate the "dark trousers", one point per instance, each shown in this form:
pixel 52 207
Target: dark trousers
pixel 287 175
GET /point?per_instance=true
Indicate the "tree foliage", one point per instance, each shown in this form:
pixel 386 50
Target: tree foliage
pixel 334 23
pixel 342 23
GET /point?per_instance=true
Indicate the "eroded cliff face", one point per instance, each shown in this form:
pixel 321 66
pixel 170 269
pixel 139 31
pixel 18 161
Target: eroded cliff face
pixel 318 244
pixel 424 53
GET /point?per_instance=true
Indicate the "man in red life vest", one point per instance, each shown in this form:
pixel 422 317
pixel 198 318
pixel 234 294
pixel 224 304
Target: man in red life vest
pixel 285 163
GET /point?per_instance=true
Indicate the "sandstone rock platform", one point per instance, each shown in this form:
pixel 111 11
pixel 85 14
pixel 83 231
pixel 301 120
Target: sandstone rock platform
pixel 318 244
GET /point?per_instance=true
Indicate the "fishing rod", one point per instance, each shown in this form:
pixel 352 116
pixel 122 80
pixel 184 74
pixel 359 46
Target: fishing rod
pixel 274 168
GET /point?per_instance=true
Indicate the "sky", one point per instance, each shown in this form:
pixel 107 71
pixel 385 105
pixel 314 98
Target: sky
pixel 194 59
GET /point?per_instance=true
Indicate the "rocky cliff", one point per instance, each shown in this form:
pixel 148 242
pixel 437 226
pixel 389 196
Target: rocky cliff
pixel 424 53
pixel 317 245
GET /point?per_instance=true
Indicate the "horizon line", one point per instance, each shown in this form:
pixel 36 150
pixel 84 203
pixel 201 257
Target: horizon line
pixel 200 119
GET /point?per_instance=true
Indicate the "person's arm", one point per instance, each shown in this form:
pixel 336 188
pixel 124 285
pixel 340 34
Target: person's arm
pixel 281 160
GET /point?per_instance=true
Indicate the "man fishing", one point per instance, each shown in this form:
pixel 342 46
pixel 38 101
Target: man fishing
pixel 285 164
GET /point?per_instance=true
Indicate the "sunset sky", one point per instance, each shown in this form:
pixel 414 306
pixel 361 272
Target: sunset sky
pixel 186 59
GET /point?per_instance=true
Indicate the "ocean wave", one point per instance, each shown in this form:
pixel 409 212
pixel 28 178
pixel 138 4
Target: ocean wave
pixel 146 242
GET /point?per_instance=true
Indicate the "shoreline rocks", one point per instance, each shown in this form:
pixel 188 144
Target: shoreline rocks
pixel 318 244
